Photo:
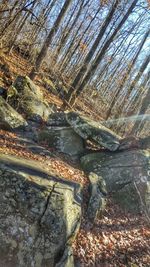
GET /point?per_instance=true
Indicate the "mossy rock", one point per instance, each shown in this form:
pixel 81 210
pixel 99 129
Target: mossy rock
pixel 50 85
pixel 91 130
pixel 63 139
pixel 126 175
pixel 40 214
pixel 10 118
pixel 29 99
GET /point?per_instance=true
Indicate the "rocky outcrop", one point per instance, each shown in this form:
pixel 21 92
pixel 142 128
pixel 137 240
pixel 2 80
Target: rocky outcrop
pixel 126 175
pixel 63 139
pixel 9 118
pixel 91 130
pixel 40 215
pixel 29 99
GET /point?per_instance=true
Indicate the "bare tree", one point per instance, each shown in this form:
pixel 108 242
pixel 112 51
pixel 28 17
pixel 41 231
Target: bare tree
pixel 93 49
pixel 125 77
pixel 140 122
pixel 136 79
pixel 48 40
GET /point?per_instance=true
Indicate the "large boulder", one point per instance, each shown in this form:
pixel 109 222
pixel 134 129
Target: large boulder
pixel 91 130
pixel 39 215
pixel 127 176
pixel 63 139
pixel 29 98
pixel 9 118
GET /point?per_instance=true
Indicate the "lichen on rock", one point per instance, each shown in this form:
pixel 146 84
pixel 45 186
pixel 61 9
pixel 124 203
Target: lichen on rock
pixel 40 214
pixel 9 118
pixel 126 175
pixel 29 99
pixel 91 130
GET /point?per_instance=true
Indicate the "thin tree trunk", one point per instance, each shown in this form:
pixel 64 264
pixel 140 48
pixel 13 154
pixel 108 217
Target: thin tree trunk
pixel 93 48
pixel 18 30
pixel 66 32
pixel 136 79
pixel 93 68
pixel 127 74
pixel 48 40
pixel 140 123
pixel 69 53
pixel 137 99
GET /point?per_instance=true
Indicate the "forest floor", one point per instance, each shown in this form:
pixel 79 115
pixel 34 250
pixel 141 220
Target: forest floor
pixel 118 239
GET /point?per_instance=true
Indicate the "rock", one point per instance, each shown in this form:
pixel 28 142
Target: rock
pixel 63 139
pixel 40 214
pixel 3 92
pixel 53 107
pixel 9 118
pixel 93 131
pixel 129 142
pixel 126 175
pixel 29 99
pixel 97 202
pixel 132 142
pixel 144 143
pixel 57 119
pixel 67 259
pixel 25 85
pixel 51 86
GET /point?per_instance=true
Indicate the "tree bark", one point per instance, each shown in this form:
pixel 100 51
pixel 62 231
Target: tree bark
pixel 47 42
pixel 93 68
pixel 93 49
pixel 127 74
pixel 137 78
pixel 140 122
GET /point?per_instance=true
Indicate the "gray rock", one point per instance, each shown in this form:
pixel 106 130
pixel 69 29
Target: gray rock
pixel 57 119
pixel 131 142
pixel 64 139
pixel 97 202
pixel 127 176
pixel 144 143
pixel 29 99
pixel 9 118
pixel 39 214
pixel 3 92
pixel 67 259
pixel 93 131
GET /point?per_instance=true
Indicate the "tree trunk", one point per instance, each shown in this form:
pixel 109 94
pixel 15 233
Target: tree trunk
pixel 47 42
pixel 136 79
pixel 93 49
pixel 127 74
pixel 140 122
pixel 93 68
pixel 145 104
pixel 66 31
